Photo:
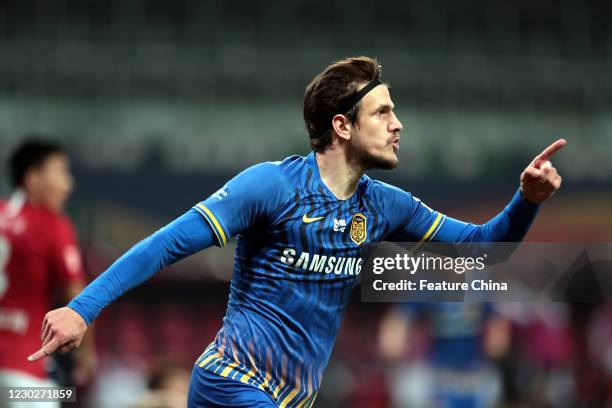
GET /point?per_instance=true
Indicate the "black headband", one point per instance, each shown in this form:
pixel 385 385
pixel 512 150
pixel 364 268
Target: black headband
pixel 348 103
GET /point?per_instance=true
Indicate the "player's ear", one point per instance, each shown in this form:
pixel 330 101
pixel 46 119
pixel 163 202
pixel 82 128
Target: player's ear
pixel 342 127
pixel 31 179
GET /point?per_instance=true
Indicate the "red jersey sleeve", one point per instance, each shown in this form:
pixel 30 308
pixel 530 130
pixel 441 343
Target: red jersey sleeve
pixel 65 255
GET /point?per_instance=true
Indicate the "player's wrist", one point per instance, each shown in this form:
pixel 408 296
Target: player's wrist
pixel 74 306
pixel 526 200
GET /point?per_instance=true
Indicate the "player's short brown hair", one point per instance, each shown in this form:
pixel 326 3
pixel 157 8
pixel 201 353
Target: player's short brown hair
pixel 325 94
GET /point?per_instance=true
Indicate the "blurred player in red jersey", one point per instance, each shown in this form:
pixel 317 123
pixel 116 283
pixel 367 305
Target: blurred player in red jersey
pixel 39 259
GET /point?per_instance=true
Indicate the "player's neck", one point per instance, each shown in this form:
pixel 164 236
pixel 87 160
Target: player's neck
pixel 36 200
pixel 339 175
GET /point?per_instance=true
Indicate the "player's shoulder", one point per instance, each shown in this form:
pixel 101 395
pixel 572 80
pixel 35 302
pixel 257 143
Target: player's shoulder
pixel 293 167
pixel 275 172
pixel 271 179
pixel 285 173
pixel 379 190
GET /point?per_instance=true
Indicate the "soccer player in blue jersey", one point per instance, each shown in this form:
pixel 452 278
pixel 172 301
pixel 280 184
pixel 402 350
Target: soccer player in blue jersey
pixel 301 225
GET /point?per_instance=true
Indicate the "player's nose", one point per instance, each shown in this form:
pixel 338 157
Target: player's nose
pixel 395 125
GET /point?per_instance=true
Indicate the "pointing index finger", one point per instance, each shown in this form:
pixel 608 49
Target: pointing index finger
pixel 550 150
pixel 45 350
pixel 37 356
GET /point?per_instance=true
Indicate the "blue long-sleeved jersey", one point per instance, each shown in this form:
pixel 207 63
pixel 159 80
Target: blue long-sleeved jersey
pixel 298 256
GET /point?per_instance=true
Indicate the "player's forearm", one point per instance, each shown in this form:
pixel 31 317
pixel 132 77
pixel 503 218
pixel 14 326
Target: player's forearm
pixel 510 225
pixel 186 235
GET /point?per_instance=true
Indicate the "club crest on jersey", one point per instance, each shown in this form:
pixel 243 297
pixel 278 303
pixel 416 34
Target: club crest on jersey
pixel 359 229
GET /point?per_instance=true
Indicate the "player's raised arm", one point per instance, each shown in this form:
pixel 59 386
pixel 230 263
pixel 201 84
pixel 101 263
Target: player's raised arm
pixel 538 182
pixel 414 221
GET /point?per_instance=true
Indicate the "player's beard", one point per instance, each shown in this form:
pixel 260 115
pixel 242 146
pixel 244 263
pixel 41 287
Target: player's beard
pixel 370 160
pixel 382 163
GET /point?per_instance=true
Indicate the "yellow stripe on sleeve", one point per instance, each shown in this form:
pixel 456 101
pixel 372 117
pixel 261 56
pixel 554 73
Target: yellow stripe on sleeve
pixel 210 223
pixel 438 229
pixel 432 228
pixel 215 224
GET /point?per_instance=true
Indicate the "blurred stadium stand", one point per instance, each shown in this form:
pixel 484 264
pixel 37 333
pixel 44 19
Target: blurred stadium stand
pixel 491 79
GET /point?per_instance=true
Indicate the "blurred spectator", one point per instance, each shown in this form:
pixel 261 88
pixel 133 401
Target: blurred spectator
pixel 168 386
pixel 537 371
pixel 39 261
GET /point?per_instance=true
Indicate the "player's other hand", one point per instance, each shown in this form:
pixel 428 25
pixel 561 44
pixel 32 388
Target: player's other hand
pixel 540 179
pixel 63 330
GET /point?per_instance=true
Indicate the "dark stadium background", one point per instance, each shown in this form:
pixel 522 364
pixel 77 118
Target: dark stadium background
pixel 160 102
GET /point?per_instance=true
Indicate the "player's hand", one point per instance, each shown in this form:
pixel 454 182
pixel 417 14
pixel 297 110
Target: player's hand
pixel 540 179
pixel 63 330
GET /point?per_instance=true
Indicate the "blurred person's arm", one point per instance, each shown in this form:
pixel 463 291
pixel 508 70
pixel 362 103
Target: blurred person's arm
pixel 213 222
pixel 394 334
pixel 497 336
